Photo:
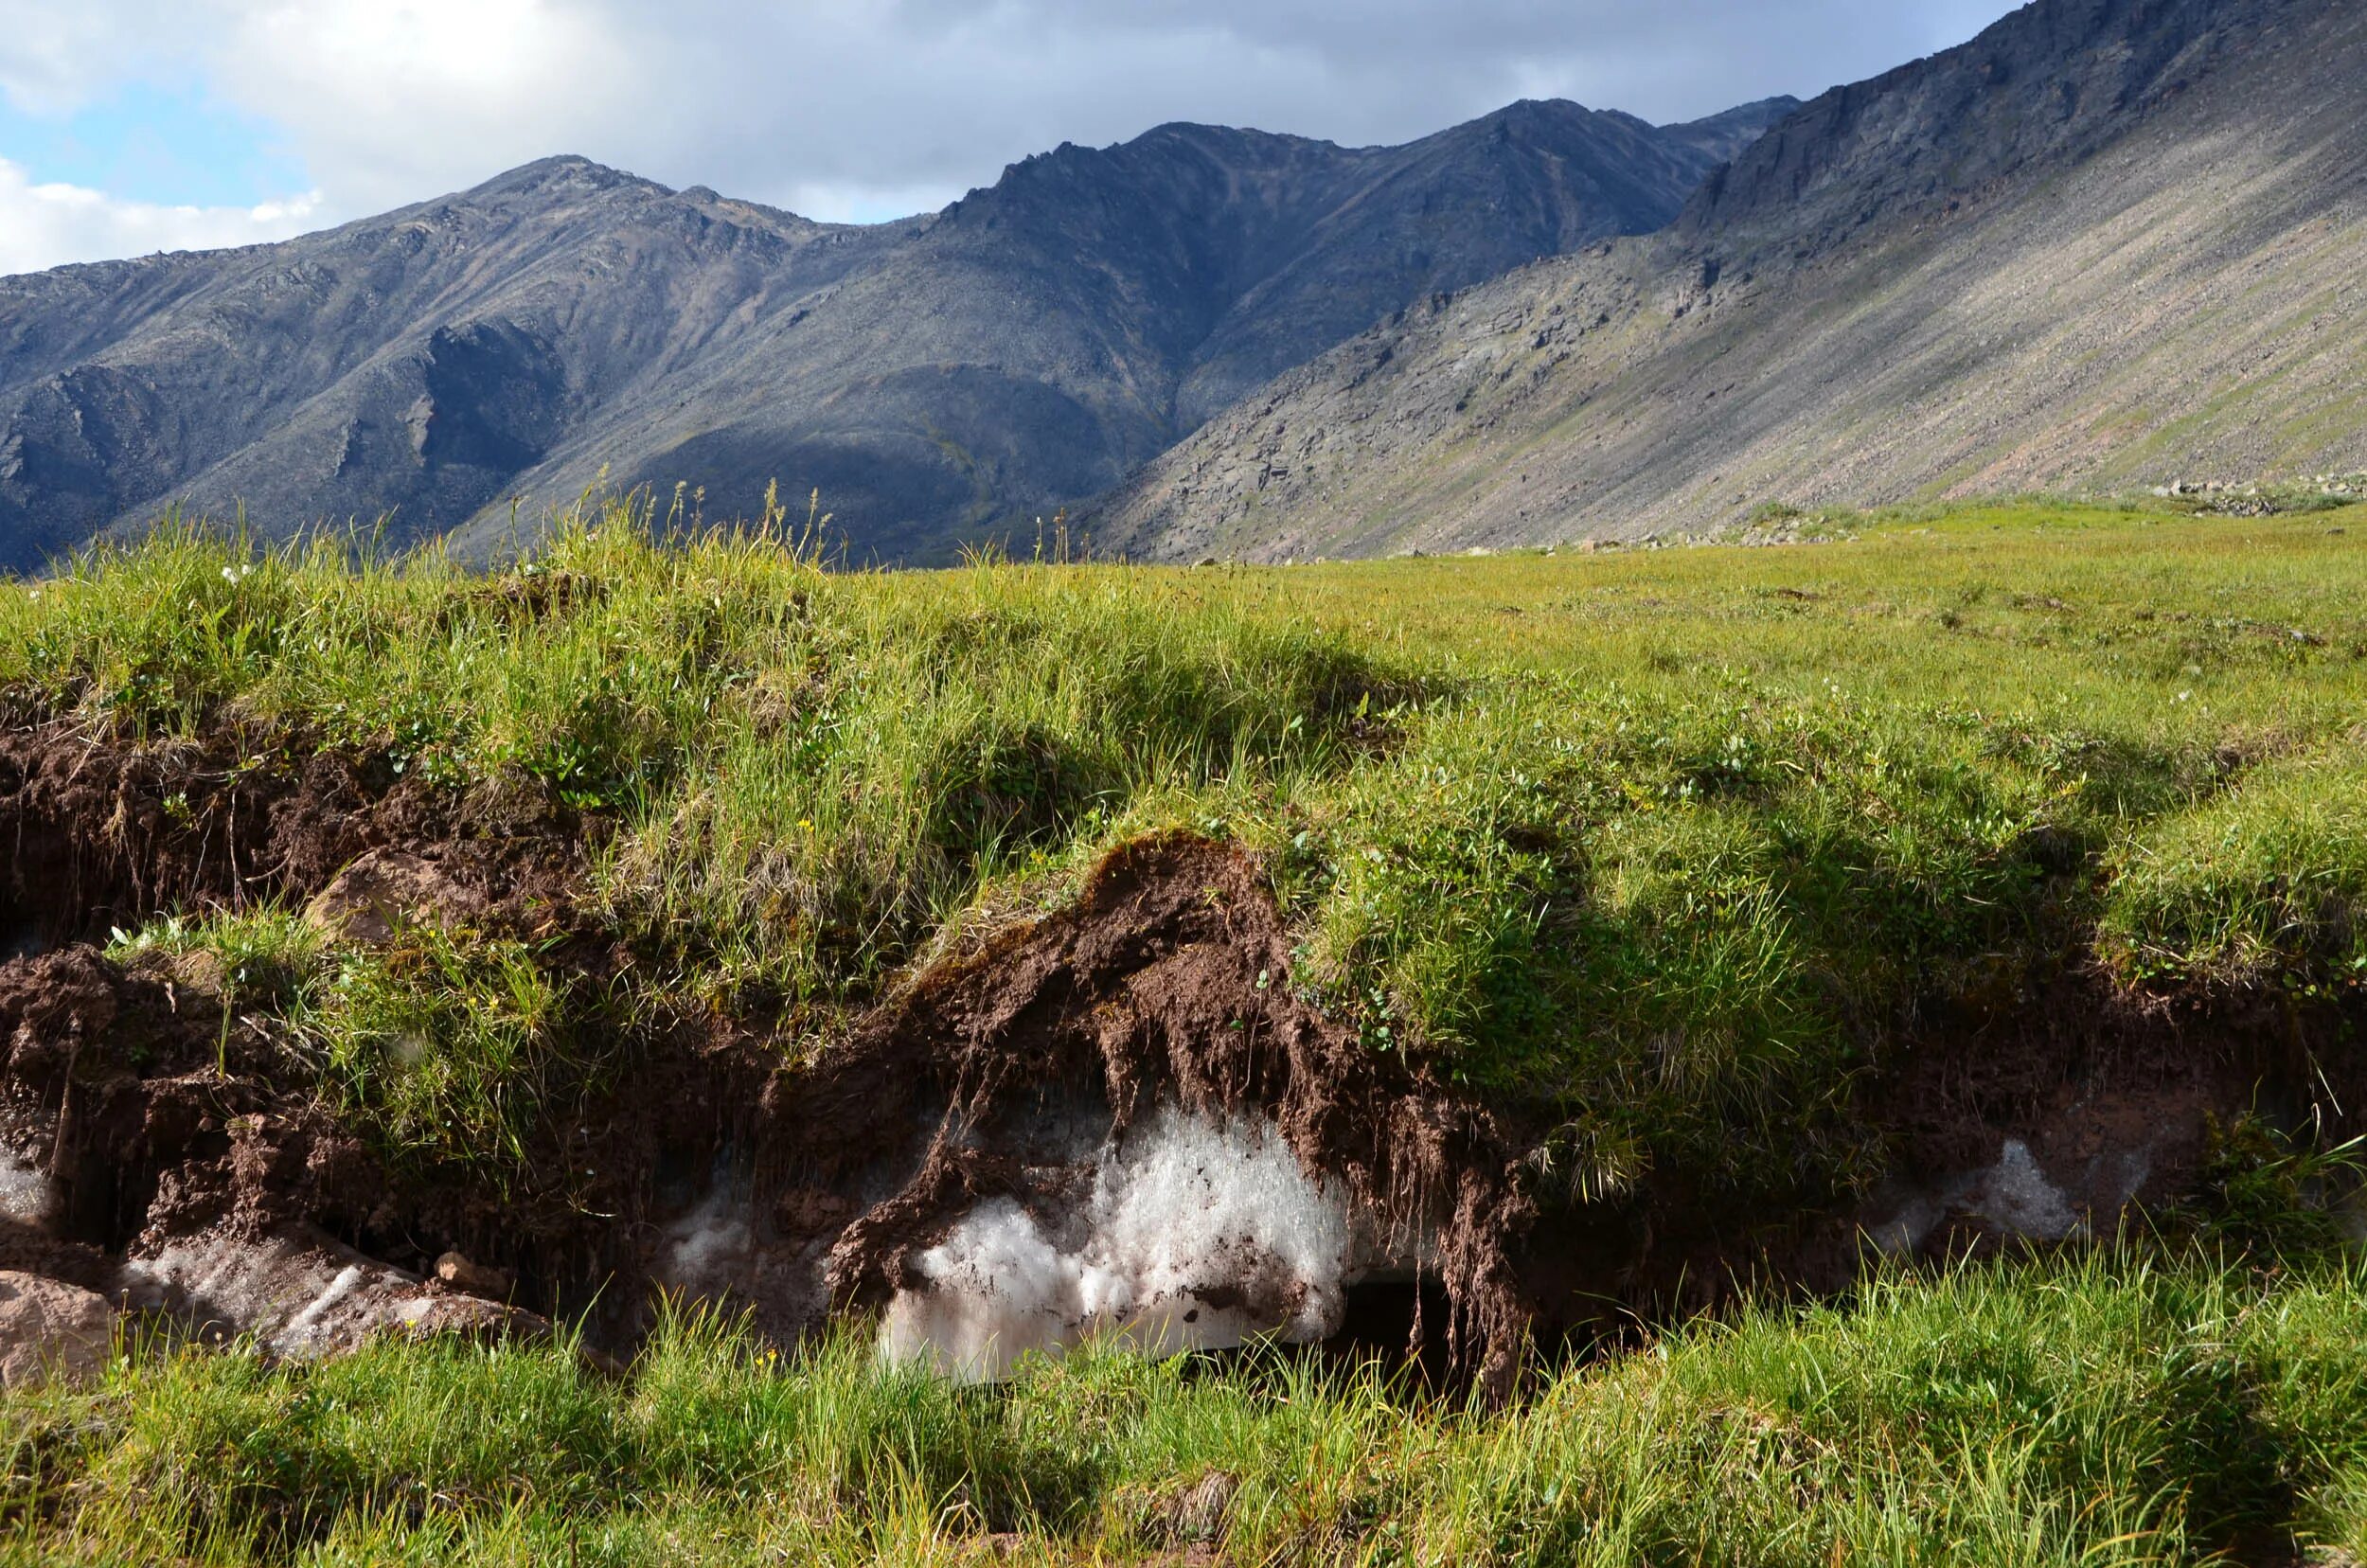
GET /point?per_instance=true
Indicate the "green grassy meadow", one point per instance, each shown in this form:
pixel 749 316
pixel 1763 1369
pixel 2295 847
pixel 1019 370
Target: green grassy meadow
pixel 1662 853
pixel 1656 844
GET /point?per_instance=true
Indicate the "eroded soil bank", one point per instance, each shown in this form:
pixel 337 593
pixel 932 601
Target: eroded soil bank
pixel 1118 1117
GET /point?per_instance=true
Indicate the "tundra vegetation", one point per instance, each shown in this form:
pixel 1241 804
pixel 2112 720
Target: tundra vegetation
pixel 1655 853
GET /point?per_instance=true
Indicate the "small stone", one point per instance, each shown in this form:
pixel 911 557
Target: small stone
pixel 51 1329
pixel 475 1278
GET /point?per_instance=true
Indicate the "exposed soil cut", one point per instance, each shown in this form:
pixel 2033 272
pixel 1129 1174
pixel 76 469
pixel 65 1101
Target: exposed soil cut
pixel 1167 984
pixel 140 1111
pixel 153 1118
pixel 2057 1109
pixel 103 833
pixel 1120 1114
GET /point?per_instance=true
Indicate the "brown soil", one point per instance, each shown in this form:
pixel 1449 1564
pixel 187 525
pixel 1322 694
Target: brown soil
pixel 102 832
pixel 160 1113
pixel 2113 1092
pixel 159 1116
pixel 156 1108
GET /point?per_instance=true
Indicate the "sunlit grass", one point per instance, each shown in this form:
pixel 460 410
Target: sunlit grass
pixel 2107 1410
pixel 1651 844
pixel 1653 848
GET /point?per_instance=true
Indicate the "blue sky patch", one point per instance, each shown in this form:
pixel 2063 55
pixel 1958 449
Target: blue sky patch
pixel 148 145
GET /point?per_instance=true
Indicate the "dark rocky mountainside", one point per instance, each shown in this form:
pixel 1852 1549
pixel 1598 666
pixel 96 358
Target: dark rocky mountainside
pixel 938 379
pixel 2107 243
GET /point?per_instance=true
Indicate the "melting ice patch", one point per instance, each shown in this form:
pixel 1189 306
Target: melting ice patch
pixel 27 1196
pixel 1197 1235
pixel 296 1298
pixel 708 1250
pixel 2018 1199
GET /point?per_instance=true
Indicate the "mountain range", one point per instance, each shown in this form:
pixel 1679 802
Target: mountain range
pixel 2107 244
pixel 938 379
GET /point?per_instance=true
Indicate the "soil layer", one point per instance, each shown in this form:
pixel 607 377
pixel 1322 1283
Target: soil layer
pixel 721 1159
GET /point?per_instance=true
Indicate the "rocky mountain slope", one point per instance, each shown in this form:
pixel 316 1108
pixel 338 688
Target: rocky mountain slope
pixel 937 379
pixel 2110 241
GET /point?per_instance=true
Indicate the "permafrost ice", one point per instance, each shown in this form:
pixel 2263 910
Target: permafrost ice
pixel 1197 1235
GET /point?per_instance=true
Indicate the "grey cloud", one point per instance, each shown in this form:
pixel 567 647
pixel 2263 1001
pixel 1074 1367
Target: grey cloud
pixel 869 107
pixel 938 95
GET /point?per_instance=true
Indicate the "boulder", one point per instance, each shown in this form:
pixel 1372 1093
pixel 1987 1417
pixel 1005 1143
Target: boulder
pixel 51 1329
pixel 384 891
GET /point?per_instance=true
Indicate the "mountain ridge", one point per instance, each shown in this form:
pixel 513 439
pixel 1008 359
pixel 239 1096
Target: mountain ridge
pixel 2140 274
pixel 937 377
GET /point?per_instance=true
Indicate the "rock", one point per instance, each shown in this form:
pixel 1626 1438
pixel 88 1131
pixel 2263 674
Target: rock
pixel 385 890
pixel 475 1278
pixel 1197 1516
pixel 302 1293
pixel 466 1317
pixel 51 1329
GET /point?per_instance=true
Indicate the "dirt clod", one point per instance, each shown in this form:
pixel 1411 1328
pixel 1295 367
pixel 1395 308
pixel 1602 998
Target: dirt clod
pixel 473 1278
pixel 51 1329
pixel 385 890
pixel 1197 1515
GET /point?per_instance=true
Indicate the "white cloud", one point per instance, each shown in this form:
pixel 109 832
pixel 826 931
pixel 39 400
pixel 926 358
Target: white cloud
pixel 45 225
pixel 393 102
pixel 59 57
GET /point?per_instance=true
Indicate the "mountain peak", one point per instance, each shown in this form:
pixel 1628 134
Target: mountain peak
pixel 2097 246
pixel 565 173
pixel 2048 83
pixel 1725 136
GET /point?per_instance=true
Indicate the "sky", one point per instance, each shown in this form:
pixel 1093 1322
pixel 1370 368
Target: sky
pixel 134 126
